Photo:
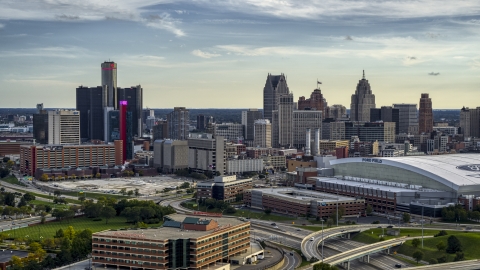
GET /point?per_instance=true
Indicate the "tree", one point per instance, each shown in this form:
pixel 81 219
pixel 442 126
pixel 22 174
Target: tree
pixel 108 212
pixel 123 191
pixel 441 246
pixel 98 175
pixel 453 245
pixel 22 202
pixel 324 266
pixel 415 242
pixel 369 210
pixel 406 217
pixel 57 193
pixel 16 261
pixel 432 261
pixel 329 222
pixel 34 246
pixel 137 192
pixel 441 233
pixel 417 255
pixel 48 243
pixel 130 193
pixel 459 256
pixel 69 232
pixel 28 197
pixel 267 211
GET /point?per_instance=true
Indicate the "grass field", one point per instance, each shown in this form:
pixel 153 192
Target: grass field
pixel 57 206
pixel 12 180
pixel 94 195
pixel 48 230
pixel 373 235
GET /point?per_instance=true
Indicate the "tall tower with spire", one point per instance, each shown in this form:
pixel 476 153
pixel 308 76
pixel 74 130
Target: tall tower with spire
pixel 362 101
pixel 275 86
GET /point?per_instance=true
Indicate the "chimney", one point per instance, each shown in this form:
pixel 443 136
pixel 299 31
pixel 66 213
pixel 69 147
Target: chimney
pixel 307 143
pixel 316 143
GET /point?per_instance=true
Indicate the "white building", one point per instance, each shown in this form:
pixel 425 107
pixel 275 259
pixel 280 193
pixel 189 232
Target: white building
pixel 206 153
pixel 230 131
pixel 236 166
pixel 64 127
pixel 262 133
pixel 303 120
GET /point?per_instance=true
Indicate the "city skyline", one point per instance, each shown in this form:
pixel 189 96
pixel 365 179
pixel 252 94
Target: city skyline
pixel 200 54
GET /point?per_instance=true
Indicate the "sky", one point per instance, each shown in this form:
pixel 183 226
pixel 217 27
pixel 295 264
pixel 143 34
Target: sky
pixel 218 53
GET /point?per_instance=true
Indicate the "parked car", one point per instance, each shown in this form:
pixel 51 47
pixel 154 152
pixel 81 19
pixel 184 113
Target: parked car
pixel 398 265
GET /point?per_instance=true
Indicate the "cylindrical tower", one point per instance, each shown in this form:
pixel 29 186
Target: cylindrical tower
pixel 316 143
pixel 307 143
pixel 109 79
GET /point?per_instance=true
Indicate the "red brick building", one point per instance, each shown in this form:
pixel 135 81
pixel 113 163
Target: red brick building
pixel 315 102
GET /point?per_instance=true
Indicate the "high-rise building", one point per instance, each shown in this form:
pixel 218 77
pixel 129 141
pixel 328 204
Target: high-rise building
pixel 113 131
pixel 147 113
pixel 408 117
pixel 425 115
pixel 109 79
pixel 262 133
pixel 370 132
pixel 206 153
pixel 201 123
pixel 464 122
pixel 337 131
pixel 91 103
pixel 134 98
pixel 64 127
pixel 230 131
pixel 386 114
pixel 274 86
pixel 470 122
pixel 282 122
pixel 336 111
pixel 303 120
pixel 315 102
pixel 362 101
pixel 40 127
pixel 248 119
pixel 160 130
pixel 179 123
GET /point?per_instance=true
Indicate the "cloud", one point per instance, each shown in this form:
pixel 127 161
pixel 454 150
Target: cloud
pixel 57 52
pixel 203 54
pixel 411 57
pixel 89 10
pixel 2 25
pixel 434 73
pixel 348 38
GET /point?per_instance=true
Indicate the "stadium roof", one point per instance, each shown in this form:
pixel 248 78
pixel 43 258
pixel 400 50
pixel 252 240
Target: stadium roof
pixel 453 170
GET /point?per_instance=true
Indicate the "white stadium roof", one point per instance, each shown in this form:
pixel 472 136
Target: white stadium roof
pixel 453 170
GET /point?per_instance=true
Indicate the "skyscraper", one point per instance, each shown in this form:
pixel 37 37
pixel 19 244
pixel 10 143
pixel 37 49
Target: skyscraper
pixel 282 124
pixel 336 111
pixel 109 79
pixel 315 102
pixel 386 114
pixel 362 101
pixel 262 133
pixel 64 127
pixel 91 103
pixel 179 123
pixel 408 117
pixel 40 126
pixel 425 115
pixel 274 86
pixel 248 119
pixel 134 98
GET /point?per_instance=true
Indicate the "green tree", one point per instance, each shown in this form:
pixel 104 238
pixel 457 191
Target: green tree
pixel 28 197
pixel 453 245
pixel 417 255
pixel 98 175
pixel 329 222
pixel 459 256
pixel 123 191
pixel 137 192
pixel 369 210
pixel 324 266
pixel 432 261
pixel 108 212
pixel 130 193
pixel 441 246
pixel 406 217
pixel 22 202
pixel 415 242
pixel 267 211
pixel 57 193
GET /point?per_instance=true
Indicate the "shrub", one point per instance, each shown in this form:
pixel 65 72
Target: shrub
pixel 432 261
pixel 442 259
pixel 376 222
pixel 440 233
pixel 97 219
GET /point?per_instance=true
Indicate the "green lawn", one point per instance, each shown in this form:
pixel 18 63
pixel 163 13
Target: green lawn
pixel 58 206
pixel 48 230
pixel 369 238
pixel 94 195
pixel 12 180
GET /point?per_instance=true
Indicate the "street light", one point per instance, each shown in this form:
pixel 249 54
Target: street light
pixel 322 239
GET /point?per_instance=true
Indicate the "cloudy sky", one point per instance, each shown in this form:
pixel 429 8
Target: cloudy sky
pixel 217 53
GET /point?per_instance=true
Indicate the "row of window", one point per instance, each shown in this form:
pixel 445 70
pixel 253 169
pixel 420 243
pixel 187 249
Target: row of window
pixel 130 249
pixel 113 260
pixel 218 248
pixel 140 256
pixel 129 242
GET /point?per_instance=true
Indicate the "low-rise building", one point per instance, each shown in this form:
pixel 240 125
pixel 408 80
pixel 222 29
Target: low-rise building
pixel 296 202
pixel 183 242
pixel 224 188
pixel 275 162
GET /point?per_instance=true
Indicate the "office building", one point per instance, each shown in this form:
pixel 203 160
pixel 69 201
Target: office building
pixel 206 153
pixel 182 242
pixel 362 101
pixel 336 111
pixel 408 117
pixel 262 133
pixel 248 120
pixel 302 202
pixel 224 188
pixel 282 123
pixel 274 86
pixel 134 98
pixel 150 122
pixel 179 123
pixel 170 155
pixel 331 145
pixel 40 127
pixel 370 132
pixel 91 103
pixel 425 115
pixel 201 122
pixel 146 114
pixel 160 130
pixel 242 165
pixel 315 102
pixel 113 131
pixel 303 120
pixel 230 131
pixel 470 122
pixel 386 114
pixel 337 131
pixel 33 157
pixel 64 127
pixel 109 81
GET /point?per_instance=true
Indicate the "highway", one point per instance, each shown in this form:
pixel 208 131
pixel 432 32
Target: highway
pixel 464 265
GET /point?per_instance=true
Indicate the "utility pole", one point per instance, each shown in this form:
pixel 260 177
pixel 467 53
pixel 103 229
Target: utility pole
pixel 337 208
pixel 322 240
pixel 422 225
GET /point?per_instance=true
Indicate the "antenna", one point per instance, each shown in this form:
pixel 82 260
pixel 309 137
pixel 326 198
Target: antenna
pixel 364 74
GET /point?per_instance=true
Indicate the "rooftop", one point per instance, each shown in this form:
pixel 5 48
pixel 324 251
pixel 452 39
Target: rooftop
pixel 174 232
pixel 373 184
pixel 302 195
pixel 455 169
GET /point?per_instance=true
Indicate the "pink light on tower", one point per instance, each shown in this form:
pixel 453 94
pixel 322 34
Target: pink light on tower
pixel 123 126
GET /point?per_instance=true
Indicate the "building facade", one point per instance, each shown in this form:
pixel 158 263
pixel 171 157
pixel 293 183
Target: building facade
pixel 179 123
pixel 239 166
pixel 370 132
pixel 386 114
pixel 248 121
pixel 224 188
pixel 170 155
pixel 64 127
pixel 425 115
pixel 40 127
pixel 303 120
pixel 362 101
pixel 230 131
pixel 204 242
pixel 134 98
pixel 274 86
pixel 91 103
pixel 109 82
pixel 206 153
pixel 336 111
pixel 282 124
pixel 315 102
pixel 408 117
pixel 262 133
